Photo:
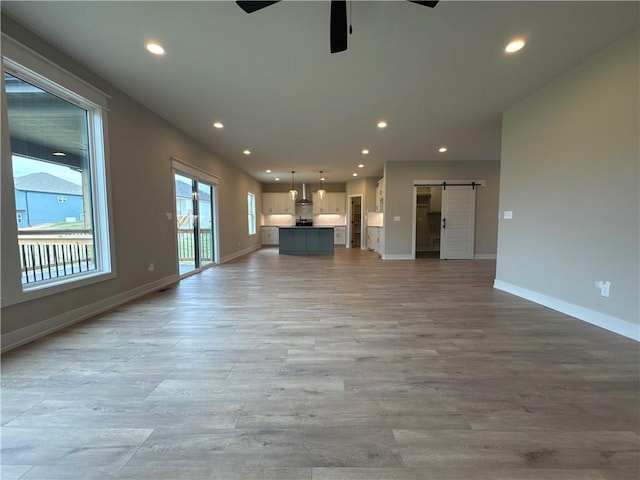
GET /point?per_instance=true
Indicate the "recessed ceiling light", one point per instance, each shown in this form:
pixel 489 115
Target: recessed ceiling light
pixel 361 166
pixel 247 152
pixel 277 179
pixel 60 154
pixel 442 149
pixel 154 48
pixel 218 124
pixel 268 171
pixel 514 45
pixel 382 124
pixel 354 174
pixel 365 152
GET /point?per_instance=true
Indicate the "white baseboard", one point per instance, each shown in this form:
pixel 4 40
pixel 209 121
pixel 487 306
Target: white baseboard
pixel 485 256
pixel 613 324
pixel 27 334
pixel 478 256
pixel 240 253
pixel 397 257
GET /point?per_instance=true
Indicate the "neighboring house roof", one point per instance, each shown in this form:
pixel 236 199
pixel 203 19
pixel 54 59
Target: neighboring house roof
pixel 44 182
pixel 184 190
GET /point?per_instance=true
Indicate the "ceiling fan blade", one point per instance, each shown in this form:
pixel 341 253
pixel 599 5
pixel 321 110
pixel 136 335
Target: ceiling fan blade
pixel 424 4
pixel 253 6
pixel 338 26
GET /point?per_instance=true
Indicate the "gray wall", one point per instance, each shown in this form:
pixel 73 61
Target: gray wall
pixel 140 144
pixel 399 201
pixel 570 174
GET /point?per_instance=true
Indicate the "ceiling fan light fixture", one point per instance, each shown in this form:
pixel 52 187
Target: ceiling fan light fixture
pixel 340 26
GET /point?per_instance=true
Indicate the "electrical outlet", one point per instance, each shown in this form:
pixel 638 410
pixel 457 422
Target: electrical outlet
pixel 604 287
pixel 151 267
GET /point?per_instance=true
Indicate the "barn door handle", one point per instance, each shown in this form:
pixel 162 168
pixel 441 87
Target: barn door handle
pixel 444 223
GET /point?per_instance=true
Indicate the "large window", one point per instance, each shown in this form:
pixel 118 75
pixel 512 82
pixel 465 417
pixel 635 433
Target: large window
pixel 59 179
pixel 251 208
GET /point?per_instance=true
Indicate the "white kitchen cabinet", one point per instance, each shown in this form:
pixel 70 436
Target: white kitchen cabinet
pixel 319 205
pixel 335 202
pixel 374 239
pixel 267 203
pixel 380 195
pixel 270 235
pixel 278 203
pixel 339 236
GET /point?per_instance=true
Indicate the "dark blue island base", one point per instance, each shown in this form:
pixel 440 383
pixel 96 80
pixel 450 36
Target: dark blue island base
pixel 306 240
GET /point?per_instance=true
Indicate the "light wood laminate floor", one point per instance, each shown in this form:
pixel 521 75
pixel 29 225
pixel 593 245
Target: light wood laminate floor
pixel 343 367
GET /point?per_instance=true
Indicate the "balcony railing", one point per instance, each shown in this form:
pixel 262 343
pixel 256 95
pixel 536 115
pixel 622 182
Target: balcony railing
pixel 46 254
pixel 186 247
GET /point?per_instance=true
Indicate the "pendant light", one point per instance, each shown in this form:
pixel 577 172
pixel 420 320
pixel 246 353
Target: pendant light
pixel 322 192
pixel 293 193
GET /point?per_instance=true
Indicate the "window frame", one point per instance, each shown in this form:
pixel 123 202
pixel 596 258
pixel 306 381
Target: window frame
pixel 251 214
pixel 31 67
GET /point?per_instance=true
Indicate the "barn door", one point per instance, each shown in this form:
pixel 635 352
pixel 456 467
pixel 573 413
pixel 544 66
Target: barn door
pixel 457 229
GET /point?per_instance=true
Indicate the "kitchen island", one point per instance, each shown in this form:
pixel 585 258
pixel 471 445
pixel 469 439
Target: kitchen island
pixel 306 240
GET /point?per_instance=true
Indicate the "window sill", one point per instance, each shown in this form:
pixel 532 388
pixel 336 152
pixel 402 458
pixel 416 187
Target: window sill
pixel 33 292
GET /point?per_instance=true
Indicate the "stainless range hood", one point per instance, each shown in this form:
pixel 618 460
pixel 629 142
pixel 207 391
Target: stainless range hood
pixel 304 200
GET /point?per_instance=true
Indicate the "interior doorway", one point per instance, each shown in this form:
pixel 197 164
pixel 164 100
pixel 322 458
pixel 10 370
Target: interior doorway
pixel 428 219
pixel 444 218
pixel 355 216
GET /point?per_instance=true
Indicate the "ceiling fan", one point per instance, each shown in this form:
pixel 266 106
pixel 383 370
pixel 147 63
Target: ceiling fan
pixel 338 26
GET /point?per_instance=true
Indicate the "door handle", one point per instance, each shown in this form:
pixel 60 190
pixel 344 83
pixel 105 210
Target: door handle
pixel 444 223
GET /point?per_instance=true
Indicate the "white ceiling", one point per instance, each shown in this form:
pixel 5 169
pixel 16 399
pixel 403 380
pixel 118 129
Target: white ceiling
pixel 437 76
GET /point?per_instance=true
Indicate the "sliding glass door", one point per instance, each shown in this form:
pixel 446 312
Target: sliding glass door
pixel 205 223
pixel 195 223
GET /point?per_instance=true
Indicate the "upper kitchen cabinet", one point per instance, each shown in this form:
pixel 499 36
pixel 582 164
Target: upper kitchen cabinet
pixel 331 203
pixel 380 195
pixel 278 203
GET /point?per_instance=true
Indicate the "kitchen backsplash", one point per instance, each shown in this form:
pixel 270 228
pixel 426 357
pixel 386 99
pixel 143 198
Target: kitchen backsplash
pixel 289 220
pixel 279 220
pixel 329 220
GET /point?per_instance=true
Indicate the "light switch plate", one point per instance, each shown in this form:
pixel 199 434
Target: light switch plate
pixel 508 215
pixel 396 219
